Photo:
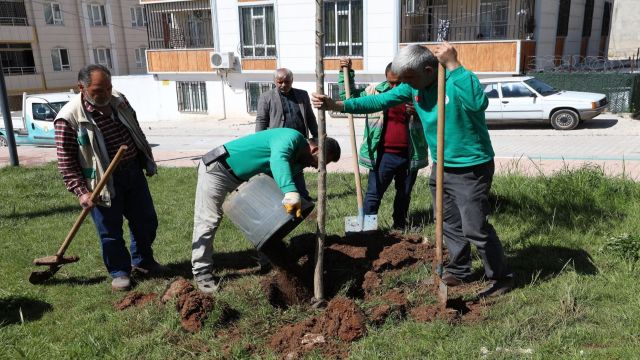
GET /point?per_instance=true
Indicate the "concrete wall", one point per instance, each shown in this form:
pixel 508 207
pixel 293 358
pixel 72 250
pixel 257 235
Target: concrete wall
pixel 625 33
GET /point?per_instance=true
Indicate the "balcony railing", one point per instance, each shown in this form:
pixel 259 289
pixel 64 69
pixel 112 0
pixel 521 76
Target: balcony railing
pixel 179 25
pixel 466 33
pixel 19 70
pixel 13 21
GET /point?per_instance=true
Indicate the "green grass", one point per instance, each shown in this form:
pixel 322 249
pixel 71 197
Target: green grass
pixel 572 239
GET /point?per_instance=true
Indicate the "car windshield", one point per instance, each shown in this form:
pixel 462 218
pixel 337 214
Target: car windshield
pixel 57 105
pixel 541 87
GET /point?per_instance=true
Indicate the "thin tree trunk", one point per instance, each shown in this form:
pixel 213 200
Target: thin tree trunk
pixel 318 284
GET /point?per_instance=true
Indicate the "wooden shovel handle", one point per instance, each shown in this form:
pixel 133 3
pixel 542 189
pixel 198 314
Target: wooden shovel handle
pixel 440 166
pixel 354 150
pixel 94 196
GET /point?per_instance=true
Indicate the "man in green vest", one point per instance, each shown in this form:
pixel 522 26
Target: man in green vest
pixel 393 148
pixel 468 155
pixel 281 153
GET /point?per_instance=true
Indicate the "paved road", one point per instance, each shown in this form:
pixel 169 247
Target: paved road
pixel 608 141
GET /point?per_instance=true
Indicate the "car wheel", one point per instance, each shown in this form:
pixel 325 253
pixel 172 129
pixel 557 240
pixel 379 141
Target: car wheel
pixel 3 141
pixel 565 119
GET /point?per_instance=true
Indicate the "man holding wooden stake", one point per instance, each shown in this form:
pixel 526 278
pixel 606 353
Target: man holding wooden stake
pixel 468 155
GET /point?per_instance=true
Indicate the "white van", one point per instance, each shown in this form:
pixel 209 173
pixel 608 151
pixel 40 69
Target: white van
pixel 525 98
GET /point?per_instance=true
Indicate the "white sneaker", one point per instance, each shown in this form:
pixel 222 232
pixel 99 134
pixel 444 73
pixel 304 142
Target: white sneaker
pixel 121 283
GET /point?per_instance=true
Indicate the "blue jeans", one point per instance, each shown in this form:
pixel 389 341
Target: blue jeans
pixel 390 167
pixel 133 201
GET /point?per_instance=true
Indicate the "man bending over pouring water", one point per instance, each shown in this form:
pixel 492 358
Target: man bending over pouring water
pixel 281 153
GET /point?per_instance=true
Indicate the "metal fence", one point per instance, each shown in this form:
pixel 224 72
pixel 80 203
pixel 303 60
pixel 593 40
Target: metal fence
pixel 577 63
pixel 13 21
pixel 622 89
pixel 19 70
pixel 179 25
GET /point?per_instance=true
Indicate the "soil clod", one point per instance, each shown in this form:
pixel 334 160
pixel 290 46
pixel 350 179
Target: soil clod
pixel 135 298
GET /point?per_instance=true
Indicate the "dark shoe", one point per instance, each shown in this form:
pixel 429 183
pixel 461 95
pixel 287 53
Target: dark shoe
pixel 156 269
pixel 497 288
pixel 451 280
pixel 207 283
pixel 121 283
pixel 265 268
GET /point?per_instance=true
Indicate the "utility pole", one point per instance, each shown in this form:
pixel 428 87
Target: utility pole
pixel 8 125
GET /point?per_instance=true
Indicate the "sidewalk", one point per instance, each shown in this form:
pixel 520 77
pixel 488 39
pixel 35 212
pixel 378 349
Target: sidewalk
pixel 235 127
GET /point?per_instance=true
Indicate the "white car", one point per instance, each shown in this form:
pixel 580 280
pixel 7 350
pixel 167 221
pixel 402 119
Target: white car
pixel 525 98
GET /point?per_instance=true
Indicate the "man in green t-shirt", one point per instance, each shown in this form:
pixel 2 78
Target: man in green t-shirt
pixel 281 153
pixel 468 155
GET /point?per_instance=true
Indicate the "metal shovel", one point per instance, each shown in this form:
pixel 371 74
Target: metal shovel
pixel 442 287
pixel 361 222
pixel 54 262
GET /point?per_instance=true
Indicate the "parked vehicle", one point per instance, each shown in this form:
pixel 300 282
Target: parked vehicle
pixel 35 126
pixel 525 98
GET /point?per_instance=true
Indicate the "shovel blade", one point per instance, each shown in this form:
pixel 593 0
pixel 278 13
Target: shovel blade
pixel 356 224
pixel 39 277
pixel 443 292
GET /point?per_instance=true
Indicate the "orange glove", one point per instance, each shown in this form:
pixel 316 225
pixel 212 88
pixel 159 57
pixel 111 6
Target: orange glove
pixel 292 204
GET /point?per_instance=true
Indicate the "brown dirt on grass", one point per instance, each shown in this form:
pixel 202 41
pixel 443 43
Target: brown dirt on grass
pixel 176 289
pixel 134 298
pixel 341 323
pixel 195 307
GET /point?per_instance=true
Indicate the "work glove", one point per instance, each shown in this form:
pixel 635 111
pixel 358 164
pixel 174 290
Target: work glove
pixel 292 204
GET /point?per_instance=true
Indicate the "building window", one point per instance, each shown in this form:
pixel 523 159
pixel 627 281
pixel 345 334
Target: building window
pixel 257 30
pixel 102 56
pixel 60 59
pixel 343 28
pixel 494 17
pixel 141 57
pixel 192 96
pixel 96 15
pixel 138 16
pixel 13 13
pixel 253 91
pixel 53 14
pixel 564 10
pixel 588 18
pixel 606 20
pixel 419 19
pixel 334 93
pixel 179 24
pixel 17 59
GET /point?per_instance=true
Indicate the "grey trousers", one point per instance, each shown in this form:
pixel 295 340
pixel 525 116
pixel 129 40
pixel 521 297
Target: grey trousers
pixel 465 216
pixel 214 183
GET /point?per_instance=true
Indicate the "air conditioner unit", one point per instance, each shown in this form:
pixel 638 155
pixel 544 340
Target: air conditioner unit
pixel 221 60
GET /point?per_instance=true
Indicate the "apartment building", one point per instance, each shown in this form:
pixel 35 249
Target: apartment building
pixel 189 40
pixel 625 35
pixel 44 43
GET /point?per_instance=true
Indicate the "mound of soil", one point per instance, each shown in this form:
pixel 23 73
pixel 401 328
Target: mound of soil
pixel 357 266
pixel 341 323
pixel 134 298
pixel 195 307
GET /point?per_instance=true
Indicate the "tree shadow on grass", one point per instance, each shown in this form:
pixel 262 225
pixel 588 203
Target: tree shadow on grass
pixel 229 261
pixel 31 310
pixel 74 280
pixel 544 262
pixel 45 212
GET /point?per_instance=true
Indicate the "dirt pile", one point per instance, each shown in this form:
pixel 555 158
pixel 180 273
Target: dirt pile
pixel 363 267
pixel 134 298
pixel 195 306
pixel 341 323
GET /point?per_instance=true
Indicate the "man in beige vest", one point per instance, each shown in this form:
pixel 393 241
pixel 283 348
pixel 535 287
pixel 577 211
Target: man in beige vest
pixel 88 132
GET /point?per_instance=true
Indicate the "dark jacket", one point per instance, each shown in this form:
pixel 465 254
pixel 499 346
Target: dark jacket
pixel 270 114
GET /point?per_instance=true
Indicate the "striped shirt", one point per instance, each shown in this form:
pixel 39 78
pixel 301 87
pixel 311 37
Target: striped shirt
pixel 114 134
